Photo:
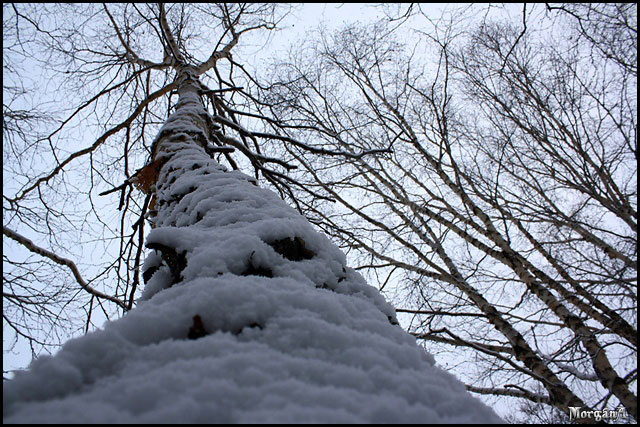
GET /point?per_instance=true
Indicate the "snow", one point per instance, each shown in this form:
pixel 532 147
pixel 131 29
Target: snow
pixel 287 338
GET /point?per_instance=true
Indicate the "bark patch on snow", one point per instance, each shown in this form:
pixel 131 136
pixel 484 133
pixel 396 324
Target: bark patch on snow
pixel 197 330
pixel 256 270
pixel 148 273
pixel 292 249
pixel 174 260
pixel 145 179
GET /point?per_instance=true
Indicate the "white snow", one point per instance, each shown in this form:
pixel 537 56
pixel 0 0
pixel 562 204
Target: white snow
pixel 313 343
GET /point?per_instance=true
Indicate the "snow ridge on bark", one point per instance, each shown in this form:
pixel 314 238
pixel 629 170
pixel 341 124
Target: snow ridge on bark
pixel 248 316
pixel 311 343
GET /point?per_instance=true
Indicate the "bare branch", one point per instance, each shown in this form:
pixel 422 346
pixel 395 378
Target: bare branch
pixel 62 261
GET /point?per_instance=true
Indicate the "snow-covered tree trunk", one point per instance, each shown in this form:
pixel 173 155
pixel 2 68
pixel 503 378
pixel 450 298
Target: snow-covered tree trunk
pixel 249 315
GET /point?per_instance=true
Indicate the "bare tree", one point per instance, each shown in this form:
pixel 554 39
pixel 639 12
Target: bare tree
pixel 228 263
pixel 507 211
pixel 610 30
pixel 86 89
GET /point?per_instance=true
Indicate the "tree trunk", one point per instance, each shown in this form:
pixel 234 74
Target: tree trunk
pixel 248 315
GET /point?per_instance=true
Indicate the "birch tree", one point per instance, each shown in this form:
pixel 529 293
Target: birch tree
pixel 86 89
pixel 247 314
pixel 508 208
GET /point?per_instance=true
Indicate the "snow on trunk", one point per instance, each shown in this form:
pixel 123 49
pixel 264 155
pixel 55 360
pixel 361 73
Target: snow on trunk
pixel 248 316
